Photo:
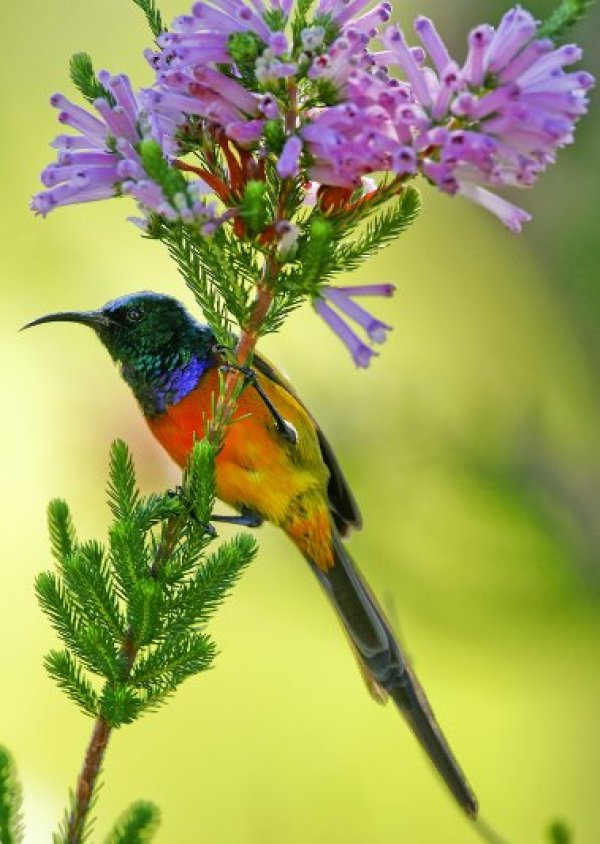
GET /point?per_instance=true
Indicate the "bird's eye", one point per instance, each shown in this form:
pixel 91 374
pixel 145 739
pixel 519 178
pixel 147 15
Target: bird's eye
pixel 134 314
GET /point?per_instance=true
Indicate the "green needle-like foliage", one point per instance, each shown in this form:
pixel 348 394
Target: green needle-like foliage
pixel 132 615
pixel 69 675
pixel 11 825
pixel 379 232
pixel 153 16
pixel 85 80
pixel 564 18
pixel 136 826
pixel 340 242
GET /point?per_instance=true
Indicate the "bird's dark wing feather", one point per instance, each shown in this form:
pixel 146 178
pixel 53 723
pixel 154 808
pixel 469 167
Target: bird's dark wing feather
pixel 344 509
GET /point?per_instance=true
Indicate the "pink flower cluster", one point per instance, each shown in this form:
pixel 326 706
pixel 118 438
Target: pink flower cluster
pixel 104 160
pixel 495 121
pixel 327 99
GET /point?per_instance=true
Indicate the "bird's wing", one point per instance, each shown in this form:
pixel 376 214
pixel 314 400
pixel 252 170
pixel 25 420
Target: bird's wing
pixel 344 508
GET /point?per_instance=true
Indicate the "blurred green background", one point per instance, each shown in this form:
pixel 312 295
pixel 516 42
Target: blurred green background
pixel 473 445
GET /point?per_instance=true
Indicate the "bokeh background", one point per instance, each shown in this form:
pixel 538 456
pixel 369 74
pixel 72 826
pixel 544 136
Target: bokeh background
pixel 473 445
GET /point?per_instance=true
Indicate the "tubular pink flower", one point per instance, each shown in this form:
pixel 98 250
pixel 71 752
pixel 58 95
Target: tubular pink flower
pixel 288 165
pixel 104 162
pixel 360 352
pixel 497 120
pixel 374 328
pixel 324 105
pixel 342 299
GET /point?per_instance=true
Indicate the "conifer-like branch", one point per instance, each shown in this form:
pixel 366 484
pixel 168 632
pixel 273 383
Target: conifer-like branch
pixel 564 18
pixel 11 822
pixel 136 826
pixel 153 16
pixel 381 231
pixel 85 80
pixel 134 614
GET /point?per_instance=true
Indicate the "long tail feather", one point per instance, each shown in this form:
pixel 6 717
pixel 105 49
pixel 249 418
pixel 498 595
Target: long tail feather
pixel 380 654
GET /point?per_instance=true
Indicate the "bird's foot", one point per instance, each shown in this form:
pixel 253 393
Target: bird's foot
pixel 284 428
pixel 247 517
pixel 179 493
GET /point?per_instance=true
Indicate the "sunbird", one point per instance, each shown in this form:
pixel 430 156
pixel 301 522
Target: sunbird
pixel 275 465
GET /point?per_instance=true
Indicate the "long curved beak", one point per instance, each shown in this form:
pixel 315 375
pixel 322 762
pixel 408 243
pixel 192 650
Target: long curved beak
pixel 94 319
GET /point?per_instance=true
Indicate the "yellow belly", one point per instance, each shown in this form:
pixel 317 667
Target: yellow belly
pixel 286 484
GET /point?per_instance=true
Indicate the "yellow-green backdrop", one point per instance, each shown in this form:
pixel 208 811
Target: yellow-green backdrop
pixel 472 443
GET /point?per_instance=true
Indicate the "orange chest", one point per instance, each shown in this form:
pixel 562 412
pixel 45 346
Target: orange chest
pixel 256 467
pixel 182 423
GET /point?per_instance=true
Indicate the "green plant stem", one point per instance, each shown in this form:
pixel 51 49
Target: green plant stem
pixel 98 743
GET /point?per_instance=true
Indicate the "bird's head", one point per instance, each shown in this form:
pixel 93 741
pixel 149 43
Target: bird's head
pixel 158 344
pixel 137 326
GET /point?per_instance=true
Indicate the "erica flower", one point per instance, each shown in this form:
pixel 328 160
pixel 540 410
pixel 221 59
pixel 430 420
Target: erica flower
pixel 189 76
pixel 325 96
pixel 117 152
pixel 495 121
pixel 224 61
pixel 92 165
pixel 334 300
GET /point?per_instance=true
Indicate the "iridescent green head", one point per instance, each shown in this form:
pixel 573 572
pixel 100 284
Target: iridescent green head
pixel 161 349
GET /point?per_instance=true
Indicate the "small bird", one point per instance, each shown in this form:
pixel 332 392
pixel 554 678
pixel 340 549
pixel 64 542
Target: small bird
pixel 275 465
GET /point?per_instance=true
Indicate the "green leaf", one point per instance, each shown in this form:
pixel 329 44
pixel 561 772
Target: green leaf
pixel 204 270
pixel 11 823
pixel 153 16
pixel 274 133
pixel 144 611
pixel 299 22
pixel 199 480
pixel 315 250
pixel 93 645
pixel 62 533
pixel 96 649
pixel 136 825
pixel 564 18
pixel 221 271
pixel 85 80
pixel 244 47
pixel 128 555
pixel 331 27
pixel 156 508
pixel 68 673
pixel 122 486
pixel 60 608
pixel 274 19
pixel 198 599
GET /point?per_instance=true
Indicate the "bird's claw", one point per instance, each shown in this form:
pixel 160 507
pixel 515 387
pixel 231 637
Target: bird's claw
pixel 207 527
pixel 284 428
